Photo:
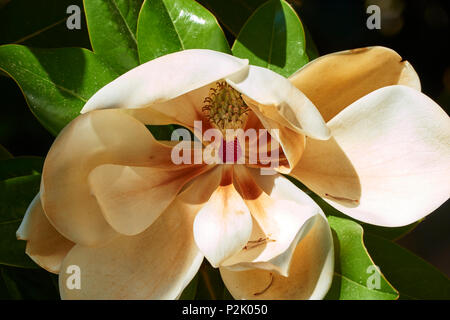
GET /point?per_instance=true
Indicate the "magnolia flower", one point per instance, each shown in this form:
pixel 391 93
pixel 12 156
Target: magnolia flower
pixel 352 126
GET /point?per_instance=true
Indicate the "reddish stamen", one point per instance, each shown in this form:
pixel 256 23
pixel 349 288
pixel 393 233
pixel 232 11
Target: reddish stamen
pixel 230 151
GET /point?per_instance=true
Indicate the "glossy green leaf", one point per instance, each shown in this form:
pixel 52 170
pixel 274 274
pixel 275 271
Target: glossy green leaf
pixel 20 284
pixel 412 276
pixel 41 23
pixel 225 11
pixel 19 182
pixel 232 13
pixel 112 29
pixel 273 37
pixel 167 26
pixel 356 276
pixel 55 82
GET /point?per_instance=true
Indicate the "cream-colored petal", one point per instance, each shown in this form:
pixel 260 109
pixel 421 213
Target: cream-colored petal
pixel 336 80
pixel 155 264
pixel 132 198
pixel 388 162
pixel 310 275
pixel 166 78
pixel 276 98
pixel 223 226
pixel 92 139
pixel 283 216
pixel 44 244
pixel 182 110
pixel 291 142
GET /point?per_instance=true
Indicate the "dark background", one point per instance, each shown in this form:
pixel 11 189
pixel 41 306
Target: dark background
pixel 418 30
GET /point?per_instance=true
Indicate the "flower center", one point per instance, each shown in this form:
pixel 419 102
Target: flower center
pixel 225 108
pixel 230 151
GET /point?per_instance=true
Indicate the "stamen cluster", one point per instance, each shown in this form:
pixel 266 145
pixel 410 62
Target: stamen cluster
pixel 225 108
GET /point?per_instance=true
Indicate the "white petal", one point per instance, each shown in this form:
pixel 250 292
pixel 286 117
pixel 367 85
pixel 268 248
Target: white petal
pixel 310 276
pixel 388 162
pixel 278 99
pixel 283 216
pixel 166 78
pixel 223 226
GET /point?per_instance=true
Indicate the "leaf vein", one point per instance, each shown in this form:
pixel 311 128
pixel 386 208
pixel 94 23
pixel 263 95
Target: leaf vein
pixel 360 285
pixel 173 24
pixel 31 35
pixel 125 22
pixel 55 84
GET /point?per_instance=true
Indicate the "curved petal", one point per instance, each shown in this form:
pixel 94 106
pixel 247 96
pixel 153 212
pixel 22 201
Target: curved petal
pixel 182 110
pixel 277 99
pixel 156 264
pixel 310 275
pixel 45 245
pixel 389 161
pixel 223 226
pixel 336 80
pixel 132 198
pixel 166 78
pixel 99 137
pixel 283 216
pixel 291 142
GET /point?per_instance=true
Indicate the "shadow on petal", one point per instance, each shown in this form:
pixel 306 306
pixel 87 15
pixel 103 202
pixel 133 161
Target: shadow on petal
pixel 325 169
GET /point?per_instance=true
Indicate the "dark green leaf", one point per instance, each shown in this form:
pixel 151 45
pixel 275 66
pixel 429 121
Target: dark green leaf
pixel 413 277
pixel 232 13
pixel 12 251
pixel 18 284
pixel 191 290
pixel 210 284
pixel 19 183
pixel 273 37
pixel 394 233
pixel 226 294
pixel 4 154
pixel 41 23
pixel 311 50
pixel 56 82
pixel 16 194
pixel 112 30
pixel 161 132
pixel 20 166
pixel 169 26
pixel 164 132
pixel 356 277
